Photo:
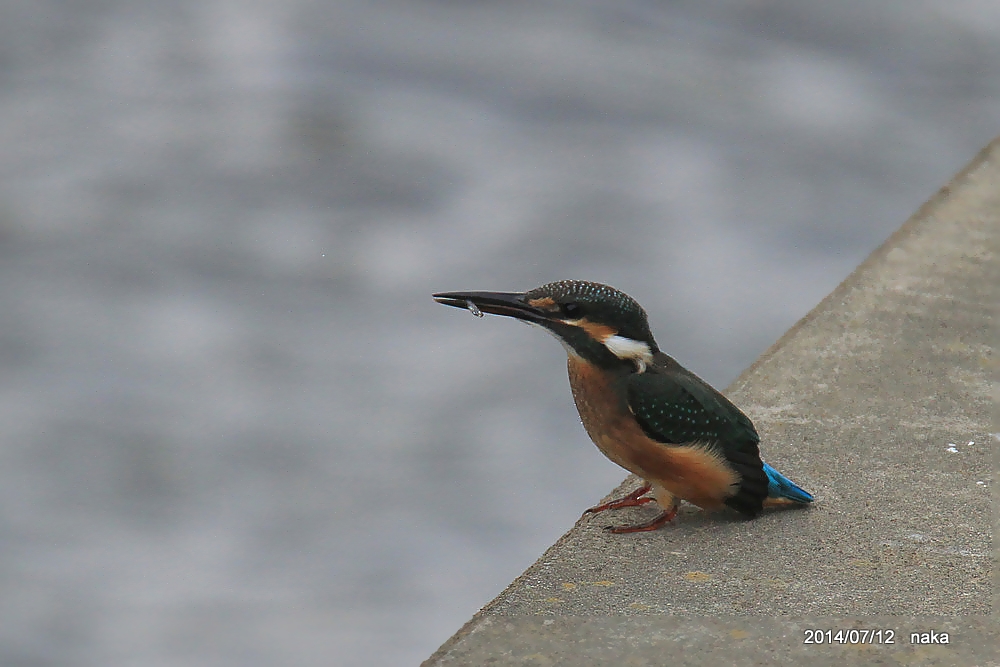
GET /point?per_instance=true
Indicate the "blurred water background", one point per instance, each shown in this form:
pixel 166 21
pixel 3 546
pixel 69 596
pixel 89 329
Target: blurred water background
pixel 235 428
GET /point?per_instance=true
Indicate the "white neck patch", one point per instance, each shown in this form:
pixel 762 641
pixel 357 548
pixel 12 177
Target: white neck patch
pixel 626 348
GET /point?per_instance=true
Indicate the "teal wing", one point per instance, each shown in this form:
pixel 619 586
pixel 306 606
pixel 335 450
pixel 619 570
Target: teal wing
pixel 676 407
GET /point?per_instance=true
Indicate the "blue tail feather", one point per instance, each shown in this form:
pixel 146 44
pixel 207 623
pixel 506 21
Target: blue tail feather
pixel 779 486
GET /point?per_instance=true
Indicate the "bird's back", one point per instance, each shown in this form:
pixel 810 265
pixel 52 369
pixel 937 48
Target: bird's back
pixel 675 407
pixel 670 427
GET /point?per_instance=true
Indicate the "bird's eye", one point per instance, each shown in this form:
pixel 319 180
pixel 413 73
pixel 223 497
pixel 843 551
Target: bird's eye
pixel 572 309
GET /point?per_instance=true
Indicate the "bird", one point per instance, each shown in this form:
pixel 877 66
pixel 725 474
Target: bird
pixel 642 409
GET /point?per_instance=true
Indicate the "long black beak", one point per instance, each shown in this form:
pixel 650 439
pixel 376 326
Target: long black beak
pixel 510 304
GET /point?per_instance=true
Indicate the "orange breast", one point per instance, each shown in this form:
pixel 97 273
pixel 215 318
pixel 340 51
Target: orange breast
pixel 691 472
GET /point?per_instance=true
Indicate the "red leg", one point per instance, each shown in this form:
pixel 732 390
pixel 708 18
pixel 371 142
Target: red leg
pixel 631 500
pixel 664 517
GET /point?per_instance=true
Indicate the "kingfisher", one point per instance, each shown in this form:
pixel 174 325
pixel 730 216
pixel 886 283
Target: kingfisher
pixel 642 409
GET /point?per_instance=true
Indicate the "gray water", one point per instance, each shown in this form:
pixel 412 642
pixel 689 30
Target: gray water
pixel 235 428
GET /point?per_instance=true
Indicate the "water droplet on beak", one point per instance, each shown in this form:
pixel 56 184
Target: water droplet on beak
pixel 473 308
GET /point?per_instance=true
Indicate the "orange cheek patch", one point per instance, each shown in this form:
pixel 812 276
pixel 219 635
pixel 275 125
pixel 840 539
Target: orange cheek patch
pixel 598 332
pixel 544 303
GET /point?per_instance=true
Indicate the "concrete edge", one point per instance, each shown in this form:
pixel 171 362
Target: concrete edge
pixel 906 229
pixel 473 625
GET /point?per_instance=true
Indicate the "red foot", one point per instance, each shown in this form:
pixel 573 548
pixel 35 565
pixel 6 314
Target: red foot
pixel 664 517
pixel 631 500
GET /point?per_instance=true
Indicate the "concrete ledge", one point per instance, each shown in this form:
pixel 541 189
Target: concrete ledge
pixel 879 402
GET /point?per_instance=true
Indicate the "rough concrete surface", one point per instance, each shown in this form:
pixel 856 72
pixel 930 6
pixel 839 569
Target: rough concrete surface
pixel 879 403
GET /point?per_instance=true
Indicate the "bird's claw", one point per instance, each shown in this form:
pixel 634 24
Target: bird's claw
pixel 664 517
pixel 633 499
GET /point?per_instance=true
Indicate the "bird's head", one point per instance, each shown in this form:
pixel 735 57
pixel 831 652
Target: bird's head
pixel 593 321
